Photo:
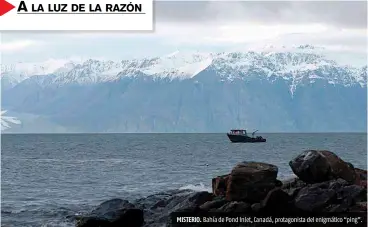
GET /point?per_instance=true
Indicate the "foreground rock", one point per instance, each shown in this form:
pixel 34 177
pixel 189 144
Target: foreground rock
pixel 330 196
pixel 314 166
pixel 324 183
pixel 158 207
pixel 113 213
pixel 251 181
pixel 154 209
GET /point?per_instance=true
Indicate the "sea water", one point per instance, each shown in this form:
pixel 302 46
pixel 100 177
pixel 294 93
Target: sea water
pixel 48 178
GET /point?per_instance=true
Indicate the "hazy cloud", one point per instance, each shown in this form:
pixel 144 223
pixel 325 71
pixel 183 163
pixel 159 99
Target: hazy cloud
pixel 17 45
pixel 342 14
pixel 209 26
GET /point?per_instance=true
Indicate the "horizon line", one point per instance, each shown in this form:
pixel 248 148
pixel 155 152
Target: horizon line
pixel 72 133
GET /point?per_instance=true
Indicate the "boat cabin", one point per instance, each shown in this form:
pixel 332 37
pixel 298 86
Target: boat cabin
pixel 238 132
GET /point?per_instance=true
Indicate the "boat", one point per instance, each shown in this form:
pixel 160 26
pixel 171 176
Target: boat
pixel 241 136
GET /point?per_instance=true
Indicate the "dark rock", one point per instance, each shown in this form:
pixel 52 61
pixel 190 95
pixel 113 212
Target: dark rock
pixel 337 184
pixel 278 183
pixel 192 205
pixel 313 166
pixel 255 171
pixel 314 198
pixel 292 192
pixel 251 181
pixel 277 201
pixel 361 173
pixel 325 183
pixel 158 207
pixel 339 168
pixel 352 194
pixel 131 218
pixel 163 199
pixel 361 177
pixel 256 207
pixel 292 186
pixel 331 196
pixel 200 198
pixel 235 207
pixel 310 166
pixel 115 212
pixel 359 207
pixel 92 222
pixel 363 183
pixel 337 208
pixel 209 205
pixel 293 182
pixel 111 209
pixel 191 209
pixel 219 185
pixel 342 202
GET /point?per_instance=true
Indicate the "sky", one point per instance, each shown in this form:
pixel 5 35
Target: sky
pixel 206 26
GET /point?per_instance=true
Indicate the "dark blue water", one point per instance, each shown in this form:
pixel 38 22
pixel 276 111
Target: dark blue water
pixel 46 178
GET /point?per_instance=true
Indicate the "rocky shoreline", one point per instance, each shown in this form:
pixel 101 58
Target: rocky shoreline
pixel 324 184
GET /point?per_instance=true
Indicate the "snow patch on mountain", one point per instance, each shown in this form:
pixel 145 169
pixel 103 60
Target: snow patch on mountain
pixel 179 65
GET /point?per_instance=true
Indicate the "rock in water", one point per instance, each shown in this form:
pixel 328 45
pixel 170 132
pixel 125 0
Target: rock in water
pixel 314 166
pixel 113 213
pixel 251 181
pixel 110 209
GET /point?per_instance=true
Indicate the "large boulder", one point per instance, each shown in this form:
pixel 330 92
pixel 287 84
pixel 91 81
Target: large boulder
pixel 314 166
pixel 330 196
pixel 113 213
pixel 251 181
pixel 314 198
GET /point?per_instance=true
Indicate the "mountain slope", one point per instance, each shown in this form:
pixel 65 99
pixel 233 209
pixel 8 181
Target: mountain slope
pixel 289 91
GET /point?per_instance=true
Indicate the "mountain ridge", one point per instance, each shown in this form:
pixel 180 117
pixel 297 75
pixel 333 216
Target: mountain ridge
pixel 194 92
pixel 180 65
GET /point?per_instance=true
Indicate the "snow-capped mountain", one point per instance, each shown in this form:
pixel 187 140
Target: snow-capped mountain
pixel 296 66
pixel 74 87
